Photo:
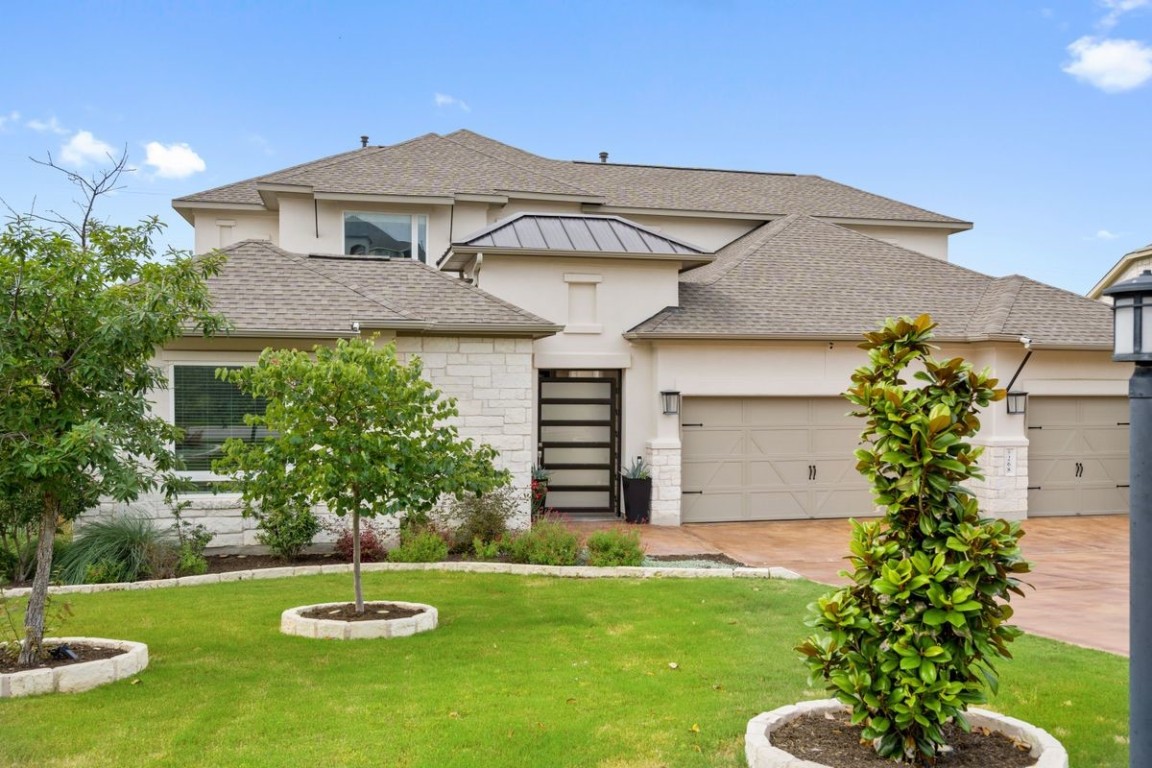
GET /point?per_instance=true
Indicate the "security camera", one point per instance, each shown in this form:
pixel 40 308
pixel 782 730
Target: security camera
pixel 1026 341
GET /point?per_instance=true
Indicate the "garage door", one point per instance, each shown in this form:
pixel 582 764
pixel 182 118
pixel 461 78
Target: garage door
pixel 771 458
pixel 1077 456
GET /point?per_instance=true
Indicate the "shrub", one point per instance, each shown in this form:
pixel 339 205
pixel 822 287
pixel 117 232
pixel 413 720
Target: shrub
pixel 287 530
pixel 547 542
pixel 424 545
pixel 483 517
pixel 910 644
pixel 122 548
pixel 193 540
pixel 613 546
pixel 487 550
pixel 372 549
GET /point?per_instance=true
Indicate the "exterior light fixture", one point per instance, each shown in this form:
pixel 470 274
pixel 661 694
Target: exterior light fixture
pixel 1132 319
pixel 1132 334
pixel 671 402
pixel 1017 402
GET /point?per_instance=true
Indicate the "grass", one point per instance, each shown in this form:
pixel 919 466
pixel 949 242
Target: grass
pixel 522 671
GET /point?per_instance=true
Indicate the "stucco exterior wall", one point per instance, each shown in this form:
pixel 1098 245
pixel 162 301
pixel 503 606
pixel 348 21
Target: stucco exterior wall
pixel 217 229
pixel 931 242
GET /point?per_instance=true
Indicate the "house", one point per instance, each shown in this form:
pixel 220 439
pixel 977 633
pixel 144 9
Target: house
pixel 586 313
pixel 1129 266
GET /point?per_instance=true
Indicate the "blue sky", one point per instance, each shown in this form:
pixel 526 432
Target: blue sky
pixel 1031 119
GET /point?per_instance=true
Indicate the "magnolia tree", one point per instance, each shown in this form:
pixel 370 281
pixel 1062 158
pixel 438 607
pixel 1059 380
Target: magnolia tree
pixel 352 428
pixel 85 306
pixel 910 644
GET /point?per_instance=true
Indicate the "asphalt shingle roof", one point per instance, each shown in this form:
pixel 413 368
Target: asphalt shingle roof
pixel 468 163
pixel 264 290
pixel 799 277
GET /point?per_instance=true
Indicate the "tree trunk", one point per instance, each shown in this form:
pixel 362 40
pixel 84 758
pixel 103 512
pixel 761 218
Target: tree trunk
pixel 38 598
pixel 356 560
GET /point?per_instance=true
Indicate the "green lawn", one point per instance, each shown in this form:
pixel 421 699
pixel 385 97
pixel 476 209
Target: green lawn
pixel 523 671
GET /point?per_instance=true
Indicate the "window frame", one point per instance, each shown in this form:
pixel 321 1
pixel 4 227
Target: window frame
pixel 413 226
pixel 199 475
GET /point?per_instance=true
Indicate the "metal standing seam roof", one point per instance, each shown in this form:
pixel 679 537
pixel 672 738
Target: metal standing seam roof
pixel 464 162
pixel 264 290
pixel 799 277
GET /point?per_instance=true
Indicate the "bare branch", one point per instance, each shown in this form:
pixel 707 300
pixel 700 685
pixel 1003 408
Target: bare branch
pixel 92 188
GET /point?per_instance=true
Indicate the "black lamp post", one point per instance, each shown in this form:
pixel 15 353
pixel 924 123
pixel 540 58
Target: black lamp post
pixel 1132 322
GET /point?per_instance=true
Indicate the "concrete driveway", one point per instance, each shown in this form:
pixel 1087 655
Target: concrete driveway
pixel 1080 566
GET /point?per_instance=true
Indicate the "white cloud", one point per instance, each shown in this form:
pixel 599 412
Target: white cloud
pixel 173 161
pixel 84 147
pixel 444 100
pixel 49 126
pixel 1117 8
pixel 11 117
pixel 1110 65
pixel 1103 234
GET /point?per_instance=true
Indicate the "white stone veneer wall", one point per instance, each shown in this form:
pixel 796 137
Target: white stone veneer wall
pixel 1004 491
pixel 664 458
pixel 493 382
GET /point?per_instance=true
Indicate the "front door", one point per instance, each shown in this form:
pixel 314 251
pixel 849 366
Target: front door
pixel 579 434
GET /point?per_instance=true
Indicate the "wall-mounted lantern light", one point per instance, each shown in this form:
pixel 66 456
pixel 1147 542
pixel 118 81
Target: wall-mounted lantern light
pixel 671 402
pixel 1017 402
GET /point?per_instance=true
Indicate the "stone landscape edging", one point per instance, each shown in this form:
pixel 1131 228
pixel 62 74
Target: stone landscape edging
pixel 73 678
pixel 293 622
pixel 760 753
pixel 563 571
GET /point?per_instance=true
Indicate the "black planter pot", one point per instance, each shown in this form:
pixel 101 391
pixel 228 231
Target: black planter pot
pixel 637 499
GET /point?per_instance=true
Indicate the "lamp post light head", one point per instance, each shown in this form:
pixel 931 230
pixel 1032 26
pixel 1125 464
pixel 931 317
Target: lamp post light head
pixel 1132 319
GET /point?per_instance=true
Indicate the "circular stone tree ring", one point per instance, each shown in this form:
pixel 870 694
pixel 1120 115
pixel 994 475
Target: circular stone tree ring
pixel 302 621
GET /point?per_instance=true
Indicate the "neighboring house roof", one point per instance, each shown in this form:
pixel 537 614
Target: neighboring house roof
pixel 465 163
pixel 265 291
pixel 1141 257
pixel 801 278
pixel 572 234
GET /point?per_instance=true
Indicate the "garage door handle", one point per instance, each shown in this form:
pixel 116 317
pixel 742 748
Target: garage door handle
pixel 811 471
pixel 1124 486
pixel 691 493
pixel 1035 487
pixel 691 425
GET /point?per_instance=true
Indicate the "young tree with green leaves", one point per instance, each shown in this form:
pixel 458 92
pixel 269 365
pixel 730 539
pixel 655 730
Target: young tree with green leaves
pixel 85 306
pixel 354 429
pixel 910 644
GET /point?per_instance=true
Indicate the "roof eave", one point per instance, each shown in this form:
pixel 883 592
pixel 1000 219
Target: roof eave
pixel 187 208
pixel 852 337
pixel 459 257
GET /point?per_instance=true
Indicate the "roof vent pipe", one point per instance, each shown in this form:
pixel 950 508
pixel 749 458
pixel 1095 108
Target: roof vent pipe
pixel 363 141
pixel 603 157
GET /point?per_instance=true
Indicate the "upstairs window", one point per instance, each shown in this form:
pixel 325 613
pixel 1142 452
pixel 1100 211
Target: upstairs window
pixel 392 235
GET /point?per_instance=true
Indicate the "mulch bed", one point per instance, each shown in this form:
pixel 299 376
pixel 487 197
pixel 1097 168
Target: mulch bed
pixel 833 741
pixel 83 651
pixel 372 612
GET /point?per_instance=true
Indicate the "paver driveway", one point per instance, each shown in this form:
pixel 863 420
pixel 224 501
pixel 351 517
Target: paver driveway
pixel 1080 566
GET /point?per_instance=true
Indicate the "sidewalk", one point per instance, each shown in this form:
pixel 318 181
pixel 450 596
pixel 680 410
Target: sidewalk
pixel 1080 566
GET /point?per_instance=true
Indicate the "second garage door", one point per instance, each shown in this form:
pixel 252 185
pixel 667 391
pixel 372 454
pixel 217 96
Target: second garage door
pixel 770 458
pixel 1077 456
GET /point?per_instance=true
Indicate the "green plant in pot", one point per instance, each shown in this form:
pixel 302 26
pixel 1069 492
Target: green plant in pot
pixel 909 645
pixel 637 482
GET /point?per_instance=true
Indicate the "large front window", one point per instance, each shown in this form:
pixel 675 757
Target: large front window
pixel 397 236
pixel 209 411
